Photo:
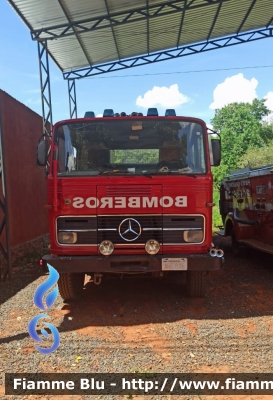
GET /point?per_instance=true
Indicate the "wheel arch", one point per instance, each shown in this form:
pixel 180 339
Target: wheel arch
pixel 229 225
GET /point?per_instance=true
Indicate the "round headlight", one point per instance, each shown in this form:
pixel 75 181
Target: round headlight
pixel 67 237
pixel 106 247
pixel 193 236
pixel 152 246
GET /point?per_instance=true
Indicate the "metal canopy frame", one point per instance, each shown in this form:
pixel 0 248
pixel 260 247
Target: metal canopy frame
pixel 72 98
pixel 208 45
pixel 45 85
pixel 146 12
pixel 71 76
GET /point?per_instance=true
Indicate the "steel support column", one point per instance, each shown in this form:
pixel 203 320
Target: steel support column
pixel 72 98
pixel 5 270
pixel 45 86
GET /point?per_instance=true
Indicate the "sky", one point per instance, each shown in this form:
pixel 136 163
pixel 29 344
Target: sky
pixel 168 84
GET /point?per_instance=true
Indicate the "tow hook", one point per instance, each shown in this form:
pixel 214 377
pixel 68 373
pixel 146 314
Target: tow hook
pixel 97 279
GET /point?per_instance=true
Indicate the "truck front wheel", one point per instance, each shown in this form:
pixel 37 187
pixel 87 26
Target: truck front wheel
pixel 196 283
pixel 71 285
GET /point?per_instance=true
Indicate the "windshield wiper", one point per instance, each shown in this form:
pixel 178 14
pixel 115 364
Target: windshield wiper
pixel 115 171
pixel 146 174
pixel 111 171
pixel 192 175
pixel 118 171
pixel 176 173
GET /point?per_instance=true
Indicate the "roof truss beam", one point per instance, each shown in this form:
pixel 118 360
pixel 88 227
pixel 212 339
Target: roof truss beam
pixel 214 20
pixel 148 28
pixel 75 32
pixel 246 16
pixel 183 51
pixel 270 22
pixel 181 24
pixel 148 11
pixel 112 29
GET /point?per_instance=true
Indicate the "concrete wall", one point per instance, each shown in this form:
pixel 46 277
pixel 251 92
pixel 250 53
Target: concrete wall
pixel 25 183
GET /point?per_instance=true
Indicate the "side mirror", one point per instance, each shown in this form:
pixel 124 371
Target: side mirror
pixel 42 151
pixel 216 152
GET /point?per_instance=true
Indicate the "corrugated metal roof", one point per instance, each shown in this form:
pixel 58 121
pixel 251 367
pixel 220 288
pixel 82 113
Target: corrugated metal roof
pixel 87 33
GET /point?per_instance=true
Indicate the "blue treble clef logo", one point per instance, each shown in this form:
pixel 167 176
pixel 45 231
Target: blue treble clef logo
pixel 33 334
pixel 44 287
pixel 49 300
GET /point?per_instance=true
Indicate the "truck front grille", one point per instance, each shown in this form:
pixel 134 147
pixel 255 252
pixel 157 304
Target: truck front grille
pixel 166 229
pixel 150 228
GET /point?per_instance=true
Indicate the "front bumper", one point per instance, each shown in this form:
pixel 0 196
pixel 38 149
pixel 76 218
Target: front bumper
pixel 123 264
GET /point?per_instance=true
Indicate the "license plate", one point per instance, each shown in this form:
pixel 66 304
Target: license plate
pixel 174 264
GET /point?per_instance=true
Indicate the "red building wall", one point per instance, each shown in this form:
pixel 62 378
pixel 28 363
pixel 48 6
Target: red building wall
pixel 25 183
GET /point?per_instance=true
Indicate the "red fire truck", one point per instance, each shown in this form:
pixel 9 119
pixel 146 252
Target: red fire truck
pixel 246 206
pixel 130 195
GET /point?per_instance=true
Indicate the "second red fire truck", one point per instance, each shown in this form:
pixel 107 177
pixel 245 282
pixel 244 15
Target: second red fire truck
pixel 130 195
pixel 246 206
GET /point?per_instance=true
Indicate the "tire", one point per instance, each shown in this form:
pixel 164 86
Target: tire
pixel 196 283
pixel 224 218
pixel 71 285
pixel 237 249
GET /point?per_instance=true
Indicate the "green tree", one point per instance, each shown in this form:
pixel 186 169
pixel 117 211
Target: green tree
pixel 241 128
pixel 257 157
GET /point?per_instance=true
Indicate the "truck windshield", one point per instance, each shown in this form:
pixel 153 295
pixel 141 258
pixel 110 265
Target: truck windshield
pixel 131 146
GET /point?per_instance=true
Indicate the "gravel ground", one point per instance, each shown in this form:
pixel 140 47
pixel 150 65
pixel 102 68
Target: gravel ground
pixel 147 324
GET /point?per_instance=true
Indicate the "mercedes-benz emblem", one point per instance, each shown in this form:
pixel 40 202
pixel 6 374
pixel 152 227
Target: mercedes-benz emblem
pixel 129 229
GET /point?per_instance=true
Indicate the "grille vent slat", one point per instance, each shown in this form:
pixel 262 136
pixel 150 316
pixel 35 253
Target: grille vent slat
pixel 76 223
pixel 170 221
pixel 136 190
